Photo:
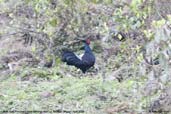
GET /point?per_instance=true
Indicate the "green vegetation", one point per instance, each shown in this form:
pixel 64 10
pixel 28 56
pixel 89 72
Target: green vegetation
pixel 130 39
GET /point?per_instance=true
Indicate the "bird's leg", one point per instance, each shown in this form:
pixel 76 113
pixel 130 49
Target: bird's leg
pixel 84 74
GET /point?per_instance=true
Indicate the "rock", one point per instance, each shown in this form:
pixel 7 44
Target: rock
pixel 47 94
pixel 162 103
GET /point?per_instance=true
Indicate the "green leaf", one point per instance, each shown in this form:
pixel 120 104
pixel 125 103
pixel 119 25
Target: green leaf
pixel 95 1
pixel 159 23
pixel 67 2
pixel 1 1
pixel 33 49
pixel 53 22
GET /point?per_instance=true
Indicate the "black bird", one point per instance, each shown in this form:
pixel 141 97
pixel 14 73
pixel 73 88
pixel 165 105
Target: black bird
pixel 87 60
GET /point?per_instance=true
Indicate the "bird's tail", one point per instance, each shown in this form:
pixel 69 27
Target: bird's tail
pixel 66 55
pixel 69 57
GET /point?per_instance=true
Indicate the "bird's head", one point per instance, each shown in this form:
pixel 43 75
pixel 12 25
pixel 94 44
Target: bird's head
pixel 87 41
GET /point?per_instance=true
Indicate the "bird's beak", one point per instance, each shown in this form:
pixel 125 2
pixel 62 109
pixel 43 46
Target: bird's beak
pixel 84 41
pixel 82 48
pixel 81 39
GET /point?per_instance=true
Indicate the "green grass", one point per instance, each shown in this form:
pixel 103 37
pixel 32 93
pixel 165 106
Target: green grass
pixel 87 93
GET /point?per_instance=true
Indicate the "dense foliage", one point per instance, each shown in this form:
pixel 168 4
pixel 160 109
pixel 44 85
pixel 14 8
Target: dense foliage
pixel 130 39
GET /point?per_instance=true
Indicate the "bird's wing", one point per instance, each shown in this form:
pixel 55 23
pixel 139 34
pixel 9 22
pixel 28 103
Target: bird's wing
pixel 71 59
pixel 89 59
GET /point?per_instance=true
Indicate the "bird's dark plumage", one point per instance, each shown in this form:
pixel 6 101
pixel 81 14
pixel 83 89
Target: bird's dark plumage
pixel 87 60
